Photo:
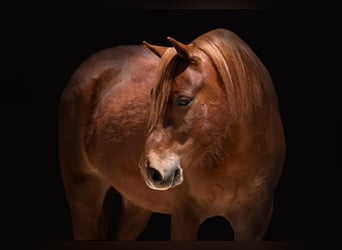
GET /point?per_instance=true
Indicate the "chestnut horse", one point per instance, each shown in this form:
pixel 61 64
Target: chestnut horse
pixel 192 130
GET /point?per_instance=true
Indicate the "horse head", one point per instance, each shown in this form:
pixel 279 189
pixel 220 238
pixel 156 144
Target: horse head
pixel 187 119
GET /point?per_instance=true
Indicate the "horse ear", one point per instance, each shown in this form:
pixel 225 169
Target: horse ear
pixel 158 50
pixel 183 50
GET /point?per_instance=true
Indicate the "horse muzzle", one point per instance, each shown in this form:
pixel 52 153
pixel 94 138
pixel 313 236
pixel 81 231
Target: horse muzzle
pixel 162 174
pixel 164 180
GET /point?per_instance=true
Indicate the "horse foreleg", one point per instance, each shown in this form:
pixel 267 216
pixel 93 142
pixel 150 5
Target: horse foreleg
pixel 184 225
pixel 252 223
pixel 132 221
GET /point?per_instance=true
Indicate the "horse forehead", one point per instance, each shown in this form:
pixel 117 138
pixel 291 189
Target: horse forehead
pixel 195 75
pixel 190 74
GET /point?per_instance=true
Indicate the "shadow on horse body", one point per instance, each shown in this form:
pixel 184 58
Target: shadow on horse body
pixel 188 130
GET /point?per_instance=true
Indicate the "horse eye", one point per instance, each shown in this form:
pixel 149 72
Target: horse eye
pixel 183 101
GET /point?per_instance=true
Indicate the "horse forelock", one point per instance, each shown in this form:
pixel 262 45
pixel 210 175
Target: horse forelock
pixel 245 79
pixel 162 87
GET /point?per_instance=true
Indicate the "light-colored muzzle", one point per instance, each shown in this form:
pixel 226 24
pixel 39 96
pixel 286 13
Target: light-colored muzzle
pixel 161 171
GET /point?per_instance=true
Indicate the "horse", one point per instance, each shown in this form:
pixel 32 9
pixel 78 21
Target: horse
pixel 189 130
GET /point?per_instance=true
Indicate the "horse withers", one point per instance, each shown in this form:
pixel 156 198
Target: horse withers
pixel 191 130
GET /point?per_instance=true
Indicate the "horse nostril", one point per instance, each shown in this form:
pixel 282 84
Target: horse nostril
pixel 177 173
pixel 155 175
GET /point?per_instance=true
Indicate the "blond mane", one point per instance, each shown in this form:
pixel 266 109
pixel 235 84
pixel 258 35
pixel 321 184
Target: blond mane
pixel 247 82
pixel 161 91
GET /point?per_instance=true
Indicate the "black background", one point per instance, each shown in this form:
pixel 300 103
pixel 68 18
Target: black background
pixel 45 47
